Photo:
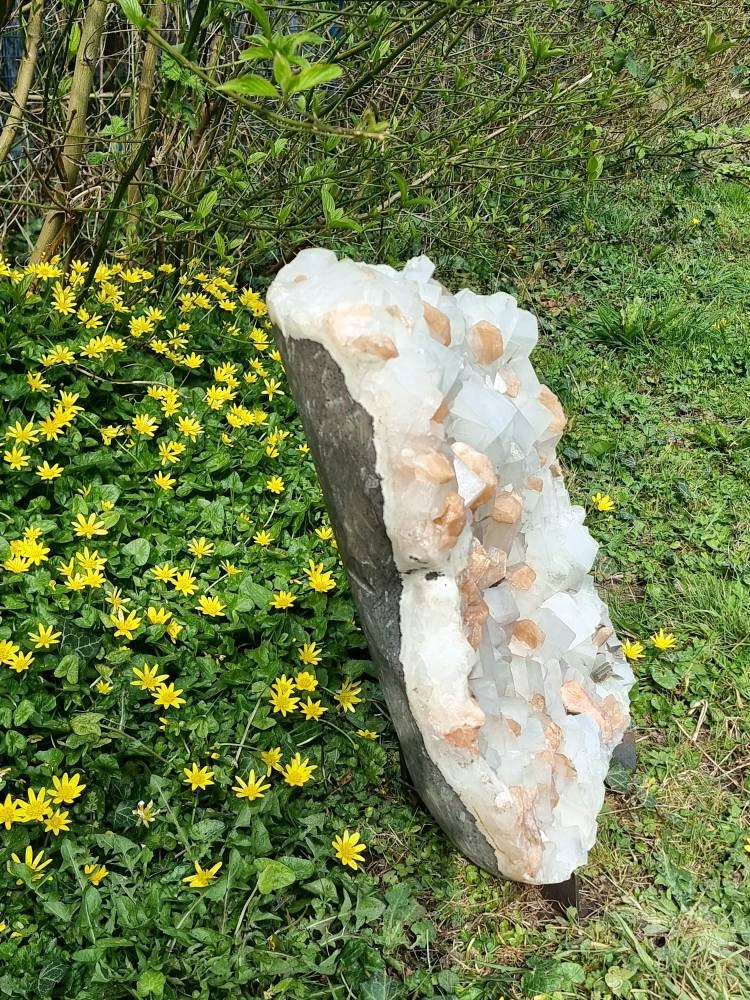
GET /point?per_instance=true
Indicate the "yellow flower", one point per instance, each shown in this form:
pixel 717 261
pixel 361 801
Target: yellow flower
pixel 347 696
pixel 166 268
pixel 88 527
pixel 36 808
pixel 663 640
pixel 282 699
pixel 66 790
pixel 283 599
pixel 319 581
pixel 349 849
pixel 22 433
pixel 168 697
pixel 158 616
pixel 36 865
pixel 275 484
pixel 145 813
pixel 16 458
pixel 63 300
pixel 199 547
pixel 10 812
pixel 203 876
pixel 47 471
pixel 95 873
pixel 165 572
pixel 325 534
pixel 310 654
pixel 57 823
pixel 272 388
pixel 145 424
pixel 125 624
pixel 367 734
pixel 263 538
pixel 173 629
pixel 210 606
pixel 198 777
pixel 184 583
pixel 229 568
pixel 148 677
pixel 190 427
pixel 36 382
pixel 312 710
pixel 272 759
pixel 45 636
pixel 252 788
pixel 8 650
pixel 633 650
pixel 298 771
pixel 603 502
pixel 305 681
pixel 21 661
pixel 164 480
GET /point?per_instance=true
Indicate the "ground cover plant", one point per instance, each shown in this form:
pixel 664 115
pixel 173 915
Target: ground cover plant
pixel 176 629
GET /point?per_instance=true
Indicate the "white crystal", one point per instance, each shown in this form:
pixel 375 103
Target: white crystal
pixel 519 687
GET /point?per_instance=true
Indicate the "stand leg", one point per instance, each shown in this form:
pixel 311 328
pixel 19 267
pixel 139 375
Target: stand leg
pixel 562 894
pixel 625 754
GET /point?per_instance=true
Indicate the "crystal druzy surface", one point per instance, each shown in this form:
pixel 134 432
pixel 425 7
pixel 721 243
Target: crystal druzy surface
pixel 503 674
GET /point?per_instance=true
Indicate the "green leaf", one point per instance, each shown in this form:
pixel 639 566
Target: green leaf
pixel 204 206
pixel 273 875
pixel 134 13
pixel 250 85
pixel 208 830
pixel 259 13
pixel 138 550
pixel 594 167
pixel 313 76
pixel 551 976
pixel 87 724
pixel 151 984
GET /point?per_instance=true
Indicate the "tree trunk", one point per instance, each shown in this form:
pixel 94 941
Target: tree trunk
pixel 146 86
pixel 24 79
pixel 56 221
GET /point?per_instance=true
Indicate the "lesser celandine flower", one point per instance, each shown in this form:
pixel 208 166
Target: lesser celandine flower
pixel 168 696
pixel 633 650
pixel 305 681
pixel 349 849
pixel 263 538
pixel 312 710
pixel 145 813
pixel 603 502
pixel 10 812
pixel 310 654
pixel 283 599
pixel 253 788
pixel 275 484
pixel 298 771
pixel 95 873
pixel 45 636
pixel 272 759
pixel 210 606
pixel 203 876
pixel 148 677
pixel 663 640
pixel 35 863
pixel 57 823
pixel 198 777
pixel 347 696
pixel 320 581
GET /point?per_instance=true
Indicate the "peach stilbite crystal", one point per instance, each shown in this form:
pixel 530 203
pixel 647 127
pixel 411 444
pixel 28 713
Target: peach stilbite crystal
pixel 435 444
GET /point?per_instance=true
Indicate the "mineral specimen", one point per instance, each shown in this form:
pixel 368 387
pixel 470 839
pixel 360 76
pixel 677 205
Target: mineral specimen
pixel 435 446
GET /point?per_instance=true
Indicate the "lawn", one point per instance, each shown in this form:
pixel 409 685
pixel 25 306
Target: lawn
pixel 184 448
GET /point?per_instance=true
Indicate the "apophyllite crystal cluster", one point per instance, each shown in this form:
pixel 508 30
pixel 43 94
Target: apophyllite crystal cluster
pixel 435 445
